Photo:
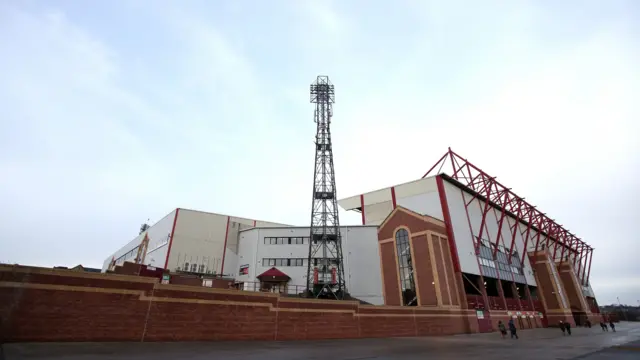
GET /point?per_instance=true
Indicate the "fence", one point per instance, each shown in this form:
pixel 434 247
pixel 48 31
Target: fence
pixel 267 287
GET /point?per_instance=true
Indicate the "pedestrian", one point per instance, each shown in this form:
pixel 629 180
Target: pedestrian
pixel 567 326
pixel 613 326
pixel 561 325
pixel 502 328
pixel 512 329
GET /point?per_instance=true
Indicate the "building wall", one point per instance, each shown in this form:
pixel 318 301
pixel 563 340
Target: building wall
pixel 200 239
pixel 108 307
pixel 359 247
pixel 465 228
pixel 420 196
pixel 159 235
pixel 434 276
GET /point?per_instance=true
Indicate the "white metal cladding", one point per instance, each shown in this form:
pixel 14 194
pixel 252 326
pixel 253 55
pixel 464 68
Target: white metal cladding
pixel 198 241
pixel 420 196
pixel 416 187
pixel 360 249
pixel 461 233
pixel 425 203
pixel 466 228
pixel 375 213
pixel 159 234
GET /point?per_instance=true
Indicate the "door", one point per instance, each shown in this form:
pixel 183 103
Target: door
pixel 484 321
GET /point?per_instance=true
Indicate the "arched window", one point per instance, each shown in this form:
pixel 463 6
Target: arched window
pixel 405 267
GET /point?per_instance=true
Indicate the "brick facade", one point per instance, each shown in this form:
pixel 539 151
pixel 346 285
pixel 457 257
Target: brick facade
pixel 39 304
pixel 434 276
pixel 551 292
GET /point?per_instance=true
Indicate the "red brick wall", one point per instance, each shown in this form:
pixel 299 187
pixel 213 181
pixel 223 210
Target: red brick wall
pixel 442 275
pixel 390 273
pixel 58 305
pixel 448 265
pixel 415 224
pixel 424 271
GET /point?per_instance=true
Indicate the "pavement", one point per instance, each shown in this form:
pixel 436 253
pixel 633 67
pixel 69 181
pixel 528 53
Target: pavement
pixel 547 344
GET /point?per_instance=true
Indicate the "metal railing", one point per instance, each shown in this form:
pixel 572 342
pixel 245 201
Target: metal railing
pixel 256 286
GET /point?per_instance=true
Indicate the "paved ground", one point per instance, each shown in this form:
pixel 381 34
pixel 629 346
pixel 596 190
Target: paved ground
pixel 547 344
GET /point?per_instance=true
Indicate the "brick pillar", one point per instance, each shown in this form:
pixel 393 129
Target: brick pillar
pixel 485 297
pixel 515 292
pixel 501 293
pixel 550 288
pixel 389 267
pixel 573 289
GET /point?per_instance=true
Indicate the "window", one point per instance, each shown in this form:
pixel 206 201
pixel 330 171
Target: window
pixel 286 240
pixel 405 267
pixel 284 262
pixel 201 269
pixel 186 266
pixel 194 267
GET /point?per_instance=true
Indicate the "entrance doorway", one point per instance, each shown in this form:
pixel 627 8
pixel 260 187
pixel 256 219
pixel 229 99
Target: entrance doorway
pixel 274 280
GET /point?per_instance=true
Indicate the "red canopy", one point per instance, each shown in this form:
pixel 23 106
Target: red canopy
pixel 273 273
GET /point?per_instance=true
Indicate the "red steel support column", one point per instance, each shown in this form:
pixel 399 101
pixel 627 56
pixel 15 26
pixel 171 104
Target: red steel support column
pixel 589 271
pixel 485 210
pixel 173 230
pixel 540 224
pixel 527 235
pixel 224 251
pixel 580 255
pixel 515 228
pixel 393 196
pixel 362 207
pixel 568 245
pixel 586 261
pixel 574 250
pixel 555 233
pixel 500 222
pixel 447 221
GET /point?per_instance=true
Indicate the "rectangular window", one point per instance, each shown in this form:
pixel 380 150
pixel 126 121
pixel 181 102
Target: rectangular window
pixel 272 262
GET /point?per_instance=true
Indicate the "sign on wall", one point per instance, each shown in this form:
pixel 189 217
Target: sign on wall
pixel 244 270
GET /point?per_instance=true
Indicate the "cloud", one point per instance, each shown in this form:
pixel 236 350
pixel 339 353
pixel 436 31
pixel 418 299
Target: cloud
pixel 206 106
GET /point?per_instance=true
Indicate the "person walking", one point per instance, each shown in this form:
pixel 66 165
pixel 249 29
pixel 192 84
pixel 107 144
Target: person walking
pixel 502 328
pixel 613 326
pixel 567 327
pixel 603 326
pixel 561 326
pixel 513 329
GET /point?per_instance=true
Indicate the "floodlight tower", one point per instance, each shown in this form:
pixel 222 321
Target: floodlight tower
pixel 325 269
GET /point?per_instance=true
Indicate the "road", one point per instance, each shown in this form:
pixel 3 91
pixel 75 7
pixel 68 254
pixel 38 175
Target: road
pixel 584 344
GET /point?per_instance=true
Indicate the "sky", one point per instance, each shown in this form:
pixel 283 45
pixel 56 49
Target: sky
pixel 114 113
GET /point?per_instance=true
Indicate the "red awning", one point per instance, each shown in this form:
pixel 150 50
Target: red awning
pixel 273 273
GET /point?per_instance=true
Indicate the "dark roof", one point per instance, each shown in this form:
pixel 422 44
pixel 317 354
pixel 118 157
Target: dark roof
pixel 273 272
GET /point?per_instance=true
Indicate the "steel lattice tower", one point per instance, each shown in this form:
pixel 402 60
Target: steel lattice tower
pixel 325 270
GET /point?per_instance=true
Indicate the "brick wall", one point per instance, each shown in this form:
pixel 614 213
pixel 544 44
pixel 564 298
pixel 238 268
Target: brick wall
pixel 39 304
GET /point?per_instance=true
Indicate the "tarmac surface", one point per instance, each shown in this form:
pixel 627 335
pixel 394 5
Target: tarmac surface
pixel 547 344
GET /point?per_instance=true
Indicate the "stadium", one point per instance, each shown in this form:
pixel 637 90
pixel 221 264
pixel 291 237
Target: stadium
pixel 454 239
